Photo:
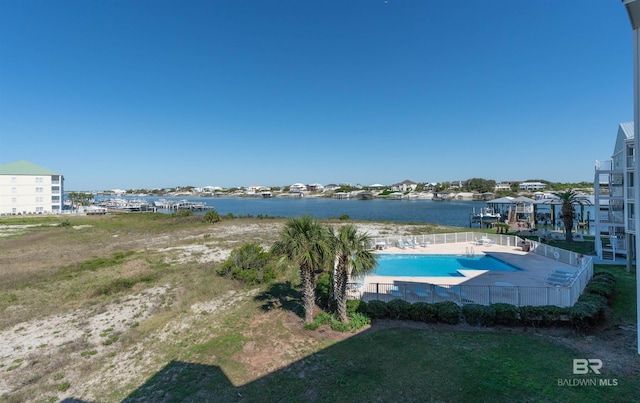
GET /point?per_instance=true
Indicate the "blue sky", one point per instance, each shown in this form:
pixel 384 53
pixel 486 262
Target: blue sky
pixel 135 94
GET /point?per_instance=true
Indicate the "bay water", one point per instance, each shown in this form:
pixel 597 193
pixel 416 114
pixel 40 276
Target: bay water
pixel 455 213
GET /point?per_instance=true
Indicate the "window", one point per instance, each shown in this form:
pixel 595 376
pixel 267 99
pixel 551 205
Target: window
pixel 38 180
pixel 38 190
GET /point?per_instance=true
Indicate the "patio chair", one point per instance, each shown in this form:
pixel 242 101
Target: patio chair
pixel 411 244
pixel 420 291
pixel 557 280
pixel 442 292
pixel 395 291
pixel 401 244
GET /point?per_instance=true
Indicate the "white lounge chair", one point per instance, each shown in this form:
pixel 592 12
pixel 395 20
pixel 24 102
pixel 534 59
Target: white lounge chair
pixel 395 291
pixel 401 244
pixel 441 291
pixel 420 291
pixel 411 244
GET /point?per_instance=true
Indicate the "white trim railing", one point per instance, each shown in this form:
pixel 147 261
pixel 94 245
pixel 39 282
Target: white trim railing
pixel 563 296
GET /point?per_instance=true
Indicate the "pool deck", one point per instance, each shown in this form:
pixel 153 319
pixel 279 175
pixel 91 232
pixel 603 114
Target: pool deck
pixel 533 267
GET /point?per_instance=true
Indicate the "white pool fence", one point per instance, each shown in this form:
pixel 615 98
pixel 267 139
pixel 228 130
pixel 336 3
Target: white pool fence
pixel 560 295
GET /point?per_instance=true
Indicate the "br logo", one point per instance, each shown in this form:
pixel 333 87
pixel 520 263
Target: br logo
pixel 583 366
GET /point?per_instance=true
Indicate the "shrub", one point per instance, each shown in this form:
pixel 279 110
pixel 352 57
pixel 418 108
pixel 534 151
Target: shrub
pixel 398 309
pixel 356 306
pixel 340 326
pixel 211 216
pixel 604 288
pixel 585 314
pixel 547 315
pixel 589 310
pixel 322 318
pixel 505 314
pixel 448 312
pixel 604 276
pixel 182 213
pixel 250 264
pixel 423 312
pixel 593 298
pixel 343 217
pixel 476 314
pixel 324 285
pixel 358 320
pixel 377 310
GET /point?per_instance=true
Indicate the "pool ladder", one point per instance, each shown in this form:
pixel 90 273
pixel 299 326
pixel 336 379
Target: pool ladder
pixel 470 252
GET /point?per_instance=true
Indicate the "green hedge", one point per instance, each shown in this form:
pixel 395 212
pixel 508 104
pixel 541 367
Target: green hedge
pixel 423 312
pixel 399 309
pixel 476 314
pixel 590 310
pixel 506 314
pixel 448 312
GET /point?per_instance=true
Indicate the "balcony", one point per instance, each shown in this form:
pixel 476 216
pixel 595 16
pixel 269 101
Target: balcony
pixel 631 161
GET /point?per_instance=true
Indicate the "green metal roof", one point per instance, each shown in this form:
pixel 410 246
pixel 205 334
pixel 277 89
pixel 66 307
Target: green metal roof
pixel 24 168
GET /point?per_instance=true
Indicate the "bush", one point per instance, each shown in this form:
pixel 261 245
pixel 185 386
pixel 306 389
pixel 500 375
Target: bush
pixel 324 297
pixel 358 321
pixel 505 314
pixel 585 314
pixel 604 276
pixel 547 315
pixel 476 314
pixel 423 312
pixel 211 216
pixel 377 310
pixel 322 318
pixel 250 264
pixel 594 299
pixel 448 312
pixel 182 213
pixel 603 288
pixel 356 306
pixel 399 309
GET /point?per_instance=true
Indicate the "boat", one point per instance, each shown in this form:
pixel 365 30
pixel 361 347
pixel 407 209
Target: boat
pixel 486 214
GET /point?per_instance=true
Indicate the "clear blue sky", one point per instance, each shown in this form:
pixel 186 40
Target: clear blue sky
pixel 133 94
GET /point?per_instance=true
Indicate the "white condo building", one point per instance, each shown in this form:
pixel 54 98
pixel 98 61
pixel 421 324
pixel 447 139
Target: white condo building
pixel 27 188
pixel 614 199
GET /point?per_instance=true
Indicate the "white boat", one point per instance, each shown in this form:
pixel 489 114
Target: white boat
pixel 486 214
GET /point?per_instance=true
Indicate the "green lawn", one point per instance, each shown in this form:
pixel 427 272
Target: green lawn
pixel 405 364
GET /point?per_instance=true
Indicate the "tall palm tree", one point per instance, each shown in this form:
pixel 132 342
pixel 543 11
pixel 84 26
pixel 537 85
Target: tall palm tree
pixel 353 257
pixel 308 244
pixel 570 198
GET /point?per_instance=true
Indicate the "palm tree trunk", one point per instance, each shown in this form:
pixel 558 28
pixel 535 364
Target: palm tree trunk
pixel 308 292
pixel 341 295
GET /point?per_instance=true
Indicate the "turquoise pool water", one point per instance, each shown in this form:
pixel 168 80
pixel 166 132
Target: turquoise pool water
pixel 436 265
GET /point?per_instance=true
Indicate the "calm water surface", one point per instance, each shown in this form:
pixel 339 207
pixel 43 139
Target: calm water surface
pixel 436 265
pixel 450 213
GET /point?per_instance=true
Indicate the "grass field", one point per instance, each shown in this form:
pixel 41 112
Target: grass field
pixel 128 307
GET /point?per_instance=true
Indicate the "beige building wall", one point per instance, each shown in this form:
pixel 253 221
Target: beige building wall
pixel 30 194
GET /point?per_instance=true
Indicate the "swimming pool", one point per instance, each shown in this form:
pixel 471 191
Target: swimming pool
pixel 436 265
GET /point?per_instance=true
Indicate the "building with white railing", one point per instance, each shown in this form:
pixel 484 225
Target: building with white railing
pixel 615 198
pixel 27 188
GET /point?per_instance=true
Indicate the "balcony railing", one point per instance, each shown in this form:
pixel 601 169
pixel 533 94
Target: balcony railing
pixel 631 224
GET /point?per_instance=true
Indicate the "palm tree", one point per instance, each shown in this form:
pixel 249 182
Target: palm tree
pixel 353 257
pixel 570 198
pixel 309 245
